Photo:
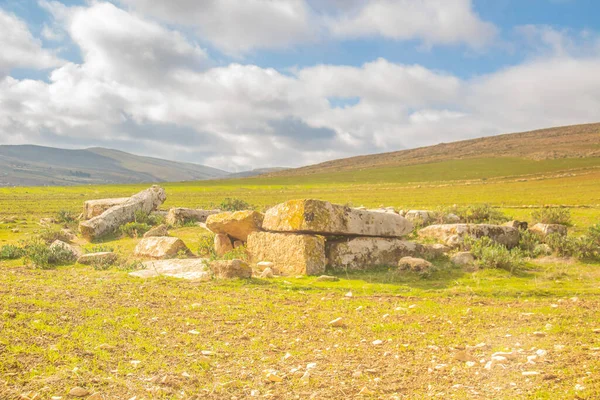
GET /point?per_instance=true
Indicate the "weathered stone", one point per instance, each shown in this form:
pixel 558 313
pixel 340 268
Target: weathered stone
pixel 290 253
pixel 68 234
pixel 47 221
pixel 367 252
pixel 547 229
pixel 414 264
pixel 418 216
pixel 102 258
pixel 160 230
pixel 237 243
pixel 454 234
pixel 434 250
pixel 324 218
pixel 190 269
pixel 522 225
pixel 237 224
pixel 75 251
pixel 222 244
pixel 227 269
pixel 262 265
pixel 463 259
pixel 93 208
pixel 160 247
pixel 327 278
pixel 267 273
pixel 451 218
pixel 110 220
pixel 180 215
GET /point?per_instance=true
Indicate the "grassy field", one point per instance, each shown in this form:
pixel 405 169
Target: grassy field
pixel 404 336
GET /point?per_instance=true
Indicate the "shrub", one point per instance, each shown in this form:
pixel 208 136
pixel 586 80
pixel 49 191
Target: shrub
pixel 478 214
pixel 49 235
pixel 134 229
pixel 65 217
pixel 584 247
pixel 233 204
pixel 490 254
pixel 148 219
pixel 10 252
pixel 206 245
pixel 43 257
pixel 552 216
pixel 594 233
pixel 529 243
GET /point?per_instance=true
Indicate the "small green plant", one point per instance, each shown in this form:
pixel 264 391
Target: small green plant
pixel 234 204
pixel 134 229
pixel 239 253
pixel 65 217
pixel 101 248
pixel 43 257
pixel 49 235
pixel 10 252
pixel 142 217
pixel 529 244
pixel 206 245
pixel 552 216
pixel 585 247
pixel 478 214
pixel 489 254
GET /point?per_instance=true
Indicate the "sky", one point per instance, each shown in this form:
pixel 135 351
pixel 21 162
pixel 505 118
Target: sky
pixel 243 84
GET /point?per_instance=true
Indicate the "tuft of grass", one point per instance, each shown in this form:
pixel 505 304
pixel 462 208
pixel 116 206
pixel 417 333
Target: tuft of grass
pixel 206 245
pixel 234 204
pixel 11 252
pixel 489 254
pixel 65 217
pixel 134 229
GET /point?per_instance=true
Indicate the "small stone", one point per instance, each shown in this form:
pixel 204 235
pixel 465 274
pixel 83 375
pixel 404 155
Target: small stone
pixel 267 273
pixel 264 265
pixel 539 334
pixel 305 379
pixel 338 322
pixel 377 342
pixel 193 332
pixel 349 294
pixel 365 391
pixel 530 373
pixel 95 396
pixel 463 356
pixel 79 392
pixel 271 377
pixel 327 278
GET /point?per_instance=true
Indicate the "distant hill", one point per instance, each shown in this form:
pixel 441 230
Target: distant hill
pixel 256 172
pixel 576 141
pixel 29 165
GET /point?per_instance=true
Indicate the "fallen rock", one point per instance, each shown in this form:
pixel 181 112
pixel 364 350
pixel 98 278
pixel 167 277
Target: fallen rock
pixel 222 244
pixel 79 392
pixel 414 264
pixel 367 252
pixel 418 216
pixel 68 234
pixel 74 251
pixel 324 218
pixel 111 219
pixel 102 258
pixel 190 269
pixel 454 234
pixel 237 224
pixel 521 225
pixel 93 208
pixel 180 215
pixel 463 259
pixel 227 269
pixel 160 231
pixel 451 218
pixel 161 247
pixel 544 230
pixel 290 253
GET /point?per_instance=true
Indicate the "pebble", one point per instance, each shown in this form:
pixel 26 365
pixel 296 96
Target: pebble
pixel 78 392
pixel 267 273
pixel 95 396
pixel 327 278
pixel 377 342
pixel 349 294
pixel 539 334
pixel 338 322
pixel 365 391
pixel 305 379
pixel 530 373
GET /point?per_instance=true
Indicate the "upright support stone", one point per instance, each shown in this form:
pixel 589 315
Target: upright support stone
pixel 110 220
pixel 368 252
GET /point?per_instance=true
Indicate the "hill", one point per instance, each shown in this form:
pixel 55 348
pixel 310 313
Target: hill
pixel 29 165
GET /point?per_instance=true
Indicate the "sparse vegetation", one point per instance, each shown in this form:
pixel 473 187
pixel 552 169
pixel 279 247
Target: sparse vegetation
pixel 134 229
pixel 66 217
pixel 49 235
pixel 478 214
pixel 39 255
pixel 206 245
pixel 11 252
pixel 489 254
pixel 548 215
pixel 234 204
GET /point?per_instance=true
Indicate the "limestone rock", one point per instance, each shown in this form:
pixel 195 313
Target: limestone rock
pixel 451 218
pixel 327 278
pixel 67 233
pixel 75 251
pixel 160 230
pixel 418 216
pixel 522 225
pixel 160 247
pixel 237 243
pixel 324 218
pixel 111 219
pixel 414 264
pixel 227 269
pixel 267 273
pixel 180 215
pixel 454 234
pixel 222 244
pixel 463 259
pixel 93 208
pixel 547 229
pixel 262 265
pixel 290 253
pixel 367 252
pixel 190 269
pixel 237 224
pixel 434 250
pixel 102 258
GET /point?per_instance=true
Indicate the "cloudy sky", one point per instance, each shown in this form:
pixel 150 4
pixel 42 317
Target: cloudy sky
pixel 239 84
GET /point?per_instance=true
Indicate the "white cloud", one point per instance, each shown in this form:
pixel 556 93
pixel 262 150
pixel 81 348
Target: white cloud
pixel 19 48
pixel 432 21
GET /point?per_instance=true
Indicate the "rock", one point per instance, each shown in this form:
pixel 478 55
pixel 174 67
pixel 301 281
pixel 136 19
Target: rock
pixel 267 273
pixel 324 218
pixel 414 264
pixel 79 392
pixel 238 224
pixel 463 259
pixel 367 252
pixel 75 251
pixel 454 234
pixel 434 250
pixel 290 253
pixel 180 215
pixel 451 218
pixel 111 219
pixel 463 356
pixel 237 243
pixel 102 258
pixel 262 265
pixel 544 230
pixel 93 208
pixel 521 225
pixel 338 322
pixel 327 278
pixel 160 230
pixel 222 244
pixel 161 247
pixel 418 216
pixel 69 234
pixel 226 269
pixel 47 221
pixel 190 269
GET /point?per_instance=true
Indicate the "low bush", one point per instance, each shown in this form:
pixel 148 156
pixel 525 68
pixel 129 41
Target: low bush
pixel 489 254
pixel 586 247
pixel 529 244
pixel 142 217
pixel 206 245
pixel 552 216
pixel 234 204
pixel 66 217
pixel 478 214
pixel 41 256
pixel 134 229
pixel 10 252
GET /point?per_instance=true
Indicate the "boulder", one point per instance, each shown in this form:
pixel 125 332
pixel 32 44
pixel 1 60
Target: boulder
pixel 451 218
pixel 434 250
pixel 522 225
pixel 414 264
pixel 93 208
pixel 67 233
pixel 160 247
pixel 180 215
pixel 102 258
pixel 418 216
pixel 111 219
pixel 463 259
pixel 324 218
pixel 222 244
pixel 454 234
pixel 227 269
pixel 237 224
pixel 290 253
pixel 544 230
pixel 160 230
pixel 367 252
pixel 267 273
pixel 75 251
pixel 190 269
